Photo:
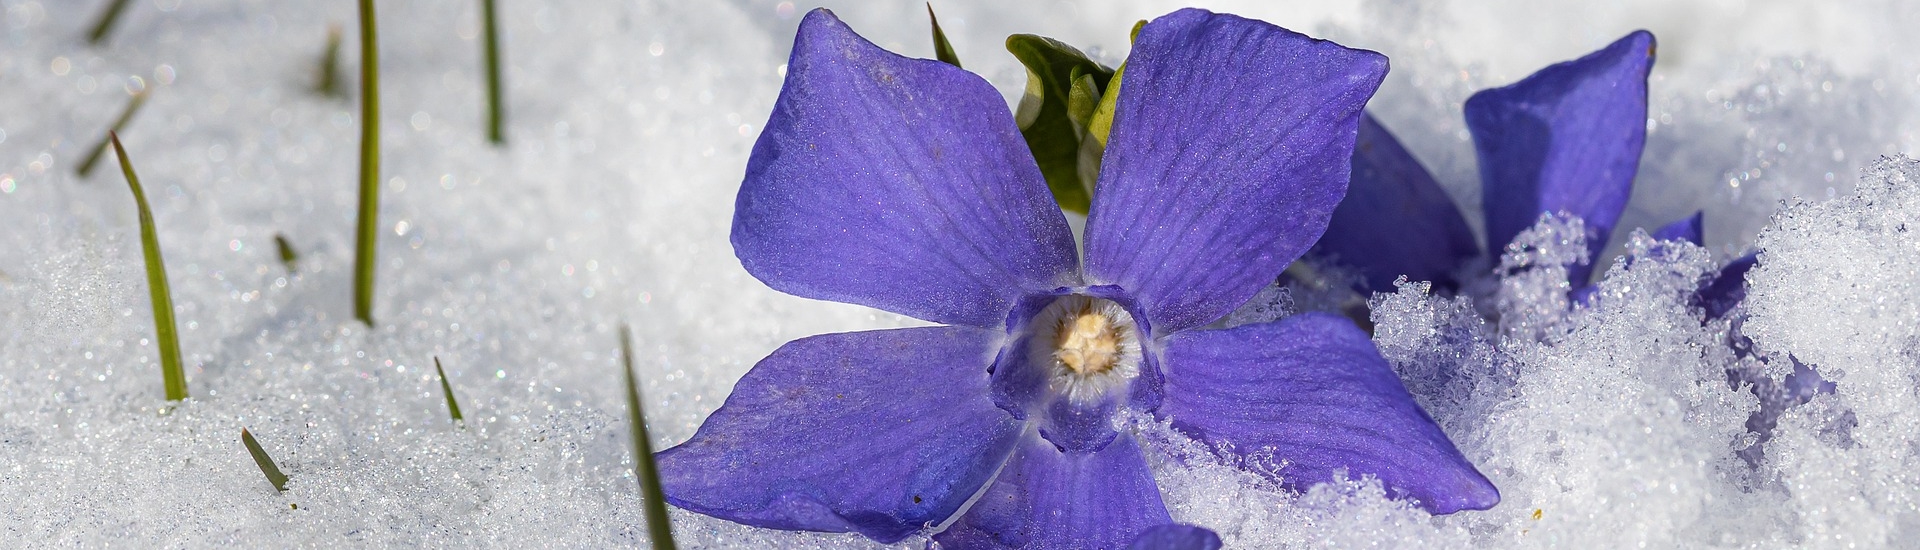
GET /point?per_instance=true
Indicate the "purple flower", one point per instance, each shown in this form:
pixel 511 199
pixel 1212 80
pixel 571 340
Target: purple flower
pixel 903 184
pixel 1565 139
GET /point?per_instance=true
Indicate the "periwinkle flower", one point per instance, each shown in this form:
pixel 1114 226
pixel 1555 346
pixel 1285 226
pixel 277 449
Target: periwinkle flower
pixel 1566 139
pixel 904 185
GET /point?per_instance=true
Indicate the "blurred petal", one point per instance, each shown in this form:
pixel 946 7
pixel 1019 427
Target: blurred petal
pixel 1048 499
pixel 1230 148
pixel 1175 536
pixel 1727 288
pixel 896 183
pixel 879 433
pixel 1686 229
pixel 1396 220
pixel 1566 139
pixel 1311 394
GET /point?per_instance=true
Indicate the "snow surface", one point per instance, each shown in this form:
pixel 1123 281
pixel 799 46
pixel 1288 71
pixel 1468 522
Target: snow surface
pixel 629 126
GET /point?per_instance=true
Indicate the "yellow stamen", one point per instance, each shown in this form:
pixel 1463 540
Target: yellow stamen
pixel 1088 342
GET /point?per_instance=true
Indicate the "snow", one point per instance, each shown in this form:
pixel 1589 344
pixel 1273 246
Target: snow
pixel 629 126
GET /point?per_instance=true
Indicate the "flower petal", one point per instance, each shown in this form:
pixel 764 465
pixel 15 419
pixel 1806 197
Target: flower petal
pixel 1685 229
pixel 880 433
pixel 1230 147
pixel 1727 288
pixel 1566 139
pixel 896 183
pixel 1176 536
pixel 1047 499
pixel 1396 220
pixel 1311 394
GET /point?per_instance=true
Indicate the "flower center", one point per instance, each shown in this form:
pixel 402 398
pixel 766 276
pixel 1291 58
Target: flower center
pixel 1088 346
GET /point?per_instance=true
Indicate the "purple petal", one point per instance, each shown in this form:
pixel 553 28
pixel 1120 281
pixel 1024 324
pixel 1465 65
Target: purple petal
pixel 1175 536
pixel 1686 229
pixel 1047 499
pixel 1230 147
pixel 1727 288
pixel 1566 139
pixel 879 433
pixel 1395 219
pixel 896 183
pixel 1311 394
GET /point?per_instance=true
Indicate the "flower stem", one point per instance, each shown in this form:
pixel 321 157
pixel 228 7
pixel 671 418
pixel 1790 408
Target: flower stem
pixel 496 110
pixel 659 529
pixel 171 372
pixel 367 237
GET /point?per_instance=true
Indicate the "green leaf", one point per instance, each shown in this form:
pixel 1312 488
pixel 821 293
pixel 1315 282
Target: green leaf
pixel 367 235
pixel 105 23
pixel 1102 123
pixel 279 480
pixel 941 49
pixel 659 528
pixel 287 255
pixel 119 124
pixel 496 110
pixel 172 374
pixel 453 407
pixel 1047 116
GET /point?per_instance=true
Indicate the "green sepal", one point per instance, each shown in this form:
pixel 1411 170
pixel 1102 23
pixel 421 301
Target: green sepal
pixel 941 48
pixel 1047 114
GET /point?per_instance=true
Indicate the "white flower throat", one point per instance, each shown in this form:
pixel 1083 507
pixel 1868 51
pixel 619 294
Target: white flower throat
pixel 1088 347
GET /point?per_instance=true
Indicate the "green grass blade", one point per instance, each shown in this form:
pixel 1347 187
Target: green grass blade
pixel 287 255
pixel 453 407
pixel 279 480
pixel 119 124
pixel 105 23
pixel 367 236
pixel 328 83
pixel 172 374
pixel 496 100
pixel 659 529
pixel 941 48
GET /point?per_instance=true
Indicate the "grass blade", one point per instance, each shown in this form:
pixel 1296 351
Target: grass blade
pixel 496 110
pixel 100 28
pixel 453 407
pixel 279 480
pixel 287 255
pixel 659 529
pixel 172 374
pixel 328 83
pixel 100 149
pixel 366 238
pixel 941 49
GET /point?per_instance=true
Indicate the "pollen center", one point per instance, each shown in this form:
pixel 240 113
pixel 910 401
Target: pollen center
pixel 1088 342
pixel 1087 345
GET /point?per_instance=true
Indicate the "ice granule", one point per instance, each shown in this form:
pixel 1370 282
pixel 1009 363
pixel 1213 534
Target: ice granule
pixel 1838 287
pixel 1529 296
